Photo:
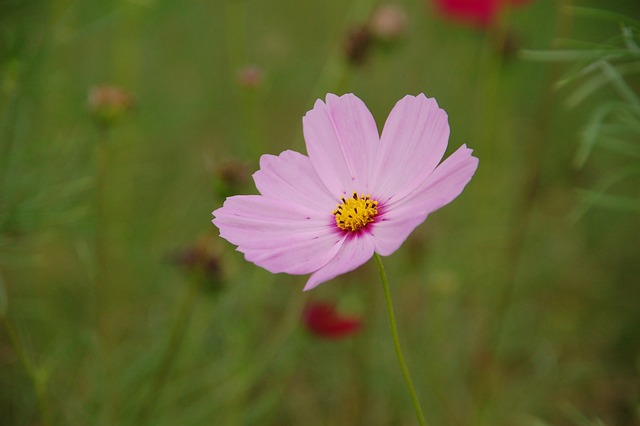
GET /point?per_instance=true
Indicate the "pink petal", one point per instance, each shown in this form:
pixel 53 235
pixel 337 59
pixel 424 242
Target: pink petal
pixel 413 142
pixel 291 177
pixel 341 136
pixel 278 235
pixel 441 187
pixel 445 183
pixel 355 251
pixel 391 231
pixel 297 256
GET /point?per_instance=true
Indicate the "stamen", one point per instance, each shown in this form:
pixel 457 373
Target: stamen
pixel 356 212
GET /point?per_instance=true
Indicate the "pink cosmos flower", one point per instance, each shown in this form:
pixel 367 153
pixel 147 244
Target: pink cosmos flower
pixel 356 193
pixel 323 320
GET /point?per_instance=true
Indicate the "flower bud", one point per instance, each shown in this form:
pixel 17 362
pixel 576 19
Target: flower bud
pixel 251 77
pixel 230 177
pixel 388 22
pixel 109 104
pixel 358 44
pixel 201 261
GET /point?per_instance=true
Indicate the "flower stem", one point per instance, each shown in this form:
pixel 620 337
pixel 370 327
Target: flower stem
pixel 38 376
pixel 396 341
pixel 101 228
pixel 176 336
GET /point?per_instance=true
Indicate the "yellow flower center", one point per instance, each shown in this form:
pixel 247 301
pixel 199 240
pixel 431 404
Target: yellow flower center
pixel 355 212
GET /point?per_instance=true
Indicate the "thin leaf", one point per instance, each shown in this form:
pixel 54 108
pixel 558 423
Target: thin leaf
pixel 606 15
pixel 614 202
pixel 574 55
pixel 620 146
pixel 618 82
pixel 630 42
pixel 595 82
pixel 599 197
pixel 591 132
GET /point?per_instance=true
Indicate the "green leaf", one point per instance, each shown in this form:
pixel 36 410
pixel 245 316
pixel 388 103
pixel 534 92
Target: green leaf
pixel 592 131
pixel 606 15
pixel 599 196
pixel 575 55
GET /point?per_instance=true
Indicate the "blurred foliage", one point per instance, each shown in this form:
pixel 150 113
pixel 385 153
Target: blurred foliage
pixel 120 305
pixel 614 125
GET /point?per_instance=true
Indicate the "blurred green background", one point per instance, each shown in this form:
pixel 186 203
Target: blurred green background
pixel 124 124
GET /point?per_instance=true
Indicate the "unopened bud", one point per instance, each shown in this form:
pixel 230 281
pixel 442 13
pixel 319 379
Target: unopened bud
pixel 201 261
pixel 230 177
pixel 251 77
pixel 388 22
pixel 108 104
pixel 358 44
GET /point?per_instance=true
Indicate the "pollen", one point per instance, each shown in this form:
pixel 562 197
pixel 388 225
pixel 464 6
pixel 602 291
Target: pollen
pixel 355 212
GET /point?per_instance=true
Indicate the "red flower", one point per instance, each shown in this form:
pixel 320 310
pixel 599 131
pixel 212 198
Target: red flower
pixel 322 320
pixel 480 13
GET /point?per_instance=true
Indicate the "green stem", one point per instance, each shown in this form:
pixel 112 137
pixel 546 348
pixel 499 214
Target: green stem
pixel 176 336
pixel 396 341
pixel 240 382
pixel 38 377
pixel 100 249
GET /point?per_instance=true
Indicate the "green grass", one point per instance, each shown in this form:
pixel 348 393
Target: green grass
pixel 516 305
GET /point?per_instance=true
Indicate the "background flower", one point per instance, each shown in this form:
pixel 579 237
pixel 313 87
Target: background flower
pixel 323 320
pixel 480 13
